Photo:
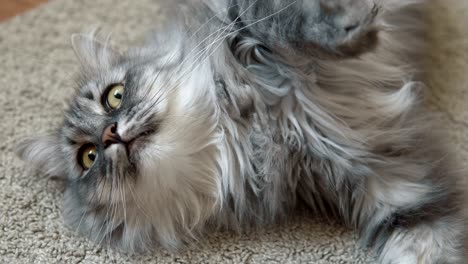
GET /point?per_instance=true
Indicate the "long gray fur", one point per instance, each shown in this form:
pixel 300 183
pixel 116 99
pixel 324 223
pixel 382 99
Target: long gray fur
pixel 253 106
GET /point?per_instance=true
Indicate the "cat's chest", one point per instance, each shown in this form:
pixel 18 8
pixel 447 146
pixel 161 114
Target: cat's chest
pixel 260 134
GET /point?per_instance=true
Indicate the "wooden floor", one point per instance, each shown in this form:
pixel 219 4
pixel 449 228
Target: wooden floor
pixel 10 8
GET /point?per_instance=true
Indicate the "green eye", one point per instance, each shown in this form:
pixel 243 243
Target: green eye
pixel 114 96
pixel 87 156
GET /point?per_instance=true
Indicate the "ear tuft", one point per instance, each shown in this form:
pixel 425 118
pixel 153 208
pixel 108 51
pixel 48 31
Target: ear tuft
pixel 43 153
pixel 92 53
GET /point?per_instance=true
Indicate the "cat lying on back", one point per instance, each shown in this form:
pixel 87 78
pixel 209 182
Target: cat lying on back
pixel 238 109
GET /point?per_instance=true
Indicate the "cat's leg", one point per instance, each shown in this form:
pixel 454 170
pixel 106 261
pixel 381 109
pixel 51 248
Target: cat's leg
pixel 408 210
pixel 426 243
pixel 410 222
pixel 337 28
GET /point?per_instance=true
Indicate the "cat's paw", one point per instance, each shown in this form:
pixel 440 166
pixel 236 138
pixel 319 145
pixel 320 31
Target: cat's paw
pixel 353 28
pixel 436 243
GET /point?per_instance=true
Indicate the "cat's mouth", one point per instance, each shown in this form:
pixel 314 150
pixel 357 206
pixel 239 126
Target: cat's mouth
pixel 137 143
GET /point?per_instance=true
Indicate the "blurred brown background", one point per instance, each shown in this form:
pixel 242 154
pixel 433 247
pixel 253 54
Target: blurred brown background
pixel 10 8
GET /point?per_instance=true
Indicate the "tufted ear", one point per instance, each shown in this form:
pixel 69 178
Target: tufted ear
pixel 93 53
pixel 43 153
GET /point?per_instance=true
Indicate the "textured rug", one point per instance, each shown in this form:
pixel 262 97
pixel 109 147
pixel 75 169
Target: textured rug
pixel 37 67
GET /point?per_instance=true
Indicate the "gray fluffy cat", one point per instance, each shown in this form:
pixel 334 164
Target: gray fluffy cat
pixel 242 108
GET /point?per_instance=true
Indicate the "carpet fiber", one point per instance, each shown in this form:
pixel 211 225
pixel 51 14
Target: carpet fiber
pixel 37 67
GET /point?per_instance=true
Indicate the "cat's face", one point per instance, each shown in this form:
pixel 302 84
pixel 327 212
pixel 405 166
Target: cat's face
pixel 136 148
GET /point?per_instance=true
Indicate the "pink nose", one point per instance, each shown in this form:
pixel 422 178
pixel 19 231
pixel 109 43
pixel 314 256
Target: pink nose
pixel 110 135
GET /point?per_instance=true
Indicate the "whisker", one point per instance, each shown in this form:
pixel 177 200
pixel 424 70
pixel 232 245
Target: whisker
pixel 86 211
pixel 137 201
pixel 95 215
pixel 219 39
pixel 124 202
pixel 110 221
pixel 189 54
pixel 200 53
pixel 102 224
pixel 109 200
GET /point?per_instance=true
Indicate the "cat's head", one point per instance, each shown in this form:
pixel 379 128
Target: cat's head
pixel 136 146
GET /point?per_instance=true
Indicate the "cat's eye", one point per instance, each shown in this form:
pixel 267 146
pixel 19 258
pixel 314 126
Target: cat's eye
pixel 114 96
pixel 87 155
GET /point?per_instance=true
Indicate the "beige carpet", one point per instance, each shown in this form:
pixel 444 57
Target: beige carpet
pixel 36 70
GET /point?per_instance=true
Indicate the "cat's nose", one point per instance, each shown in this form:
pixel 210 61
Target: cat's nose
pixel 110 135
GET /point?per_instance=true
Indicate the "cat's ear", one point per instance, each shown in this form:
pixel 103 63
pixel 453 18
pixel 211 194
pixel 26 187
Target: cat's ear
pixel 92 53
pixel 43 153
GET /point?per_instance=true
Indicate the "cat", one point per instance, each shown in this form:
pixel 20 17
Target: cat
pixel 236 111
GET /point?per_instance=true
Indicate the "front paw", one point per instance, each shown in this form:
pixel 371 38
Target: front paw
pixel 350 26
